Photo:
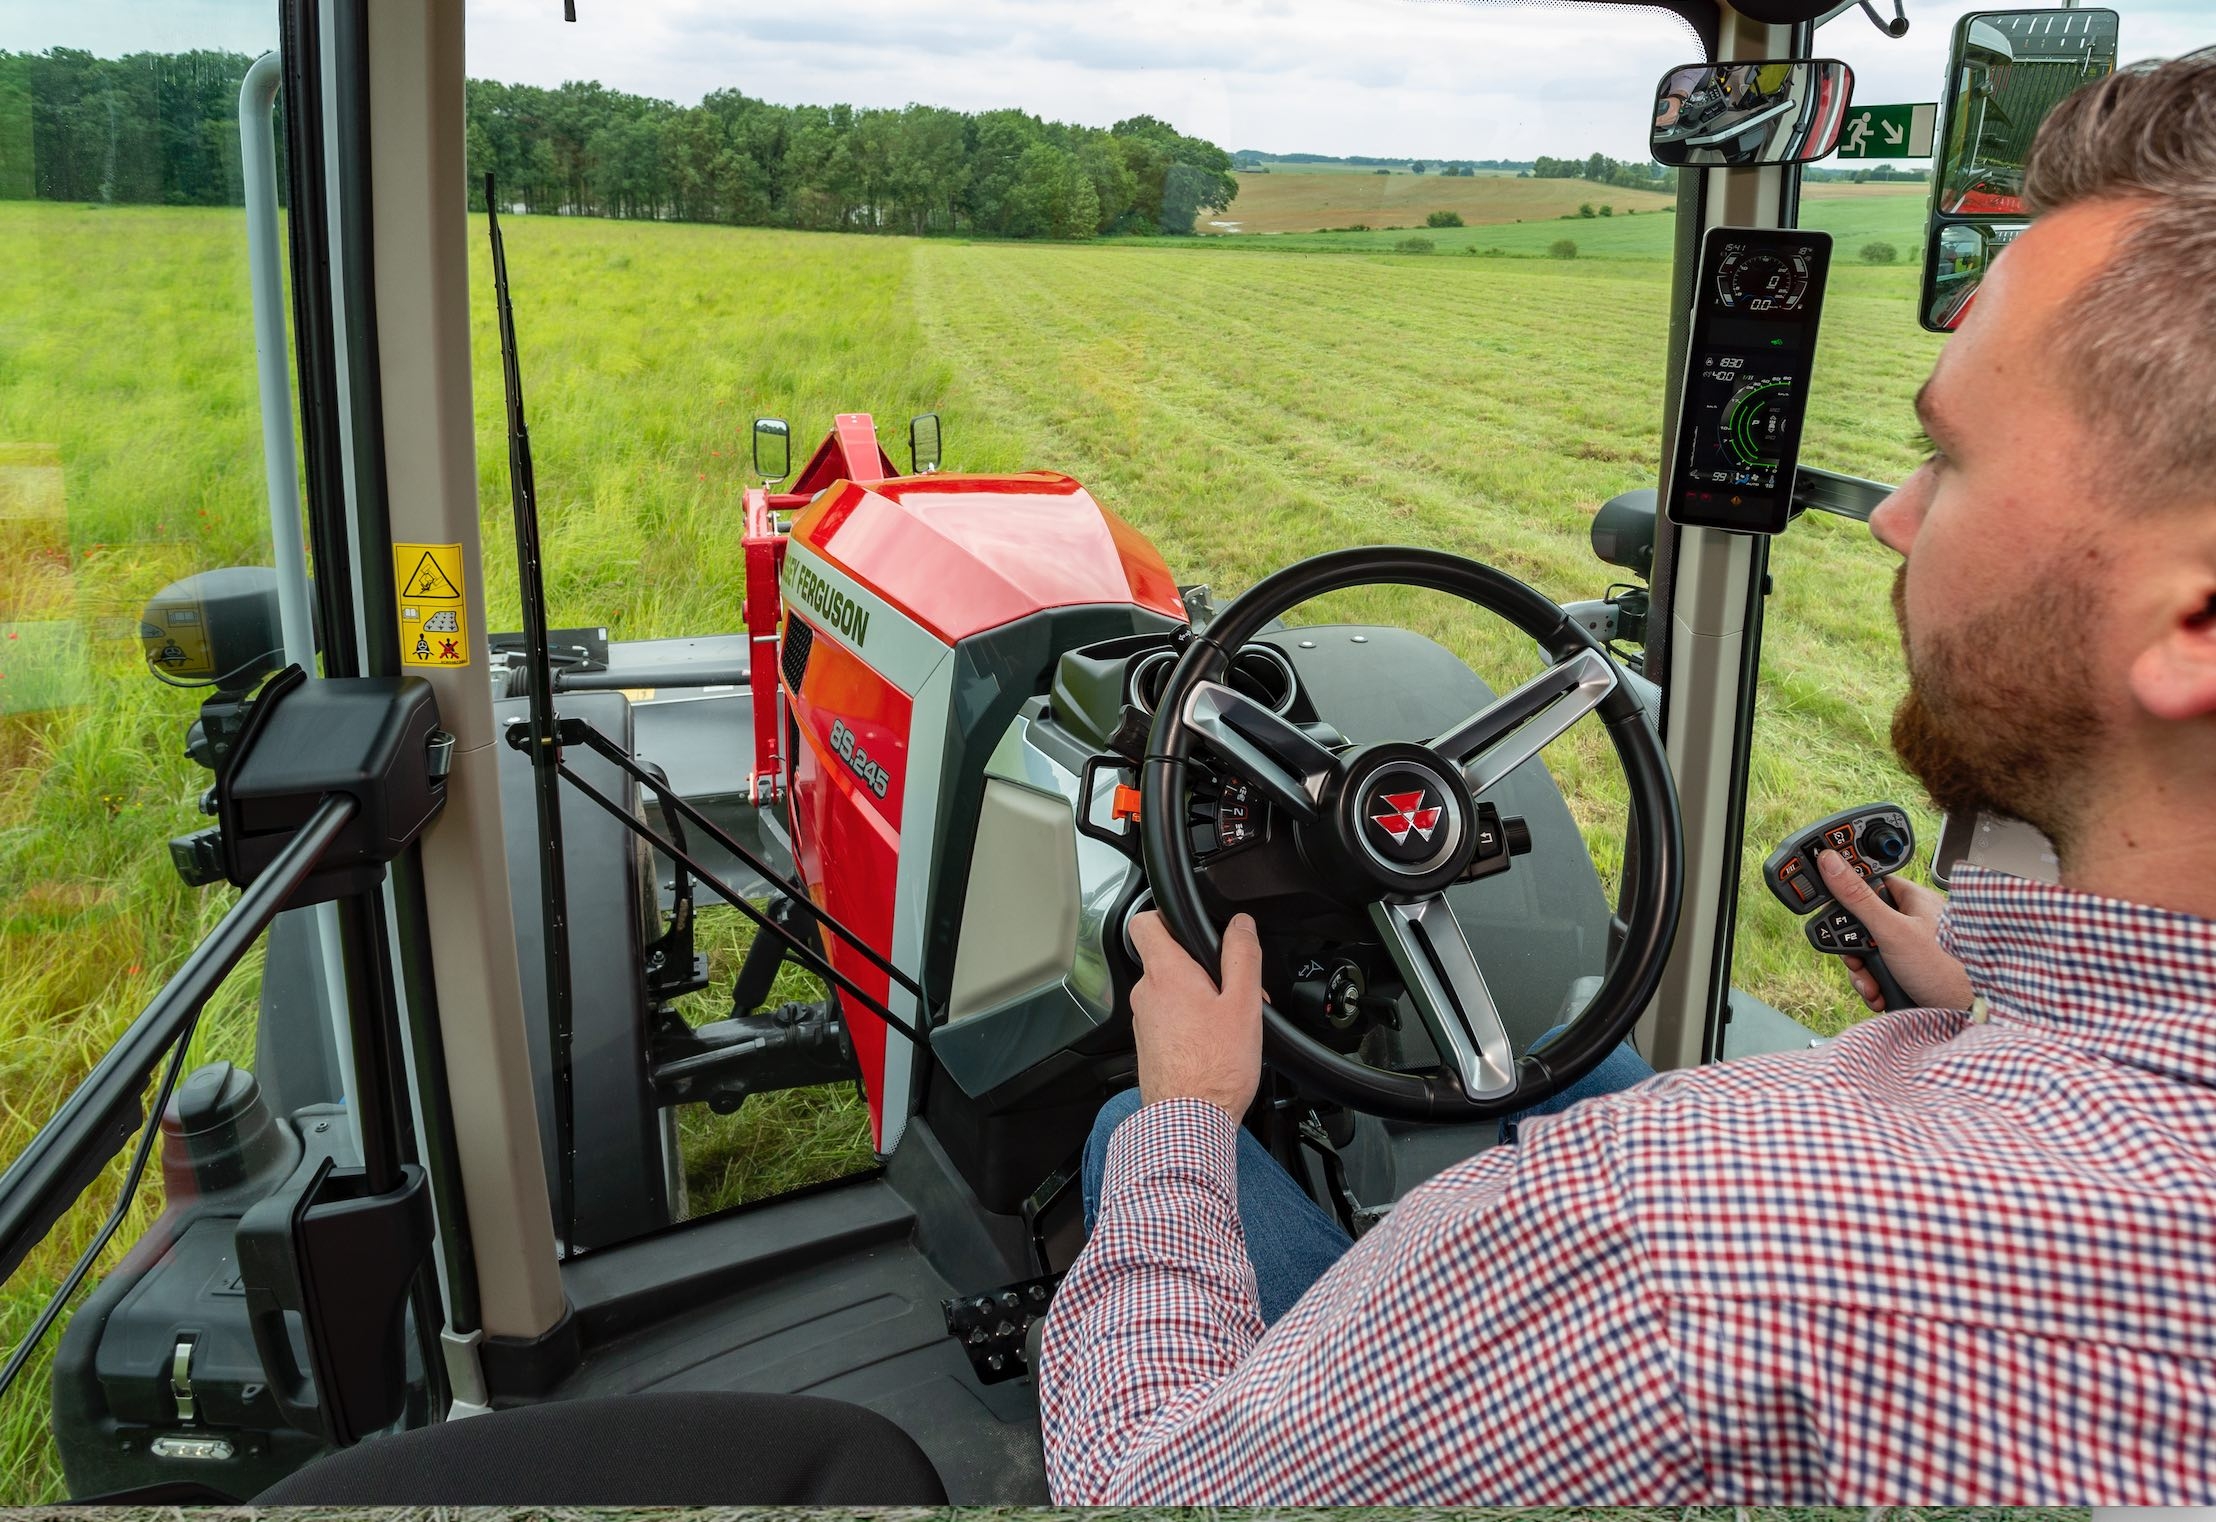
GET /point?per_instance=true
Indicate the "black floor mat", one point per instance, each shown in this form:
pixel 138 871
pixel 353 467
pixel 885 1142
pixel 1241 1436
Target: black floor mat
pixel 865 1327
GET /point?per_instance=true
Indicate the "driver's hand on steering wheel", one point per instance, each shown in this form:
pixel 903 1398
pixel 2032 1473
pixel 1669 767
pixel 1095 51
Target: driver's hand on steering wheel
pixel 1196 1041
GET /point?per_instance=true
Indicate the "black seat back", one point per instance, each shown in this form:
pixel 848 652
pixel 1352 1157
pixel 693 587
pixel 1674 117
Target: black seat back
pixel 711 1448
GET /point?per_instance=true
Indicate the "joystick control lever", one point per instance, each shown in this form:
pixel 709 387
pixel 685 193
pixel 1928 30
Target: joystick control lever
pixel 1876 840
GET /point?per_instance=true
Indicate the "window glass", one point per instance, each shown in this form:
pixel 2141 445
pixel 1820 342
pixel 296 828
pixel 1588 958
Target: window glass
pixel 1831 666
pixel 134 569
pixel 1267 281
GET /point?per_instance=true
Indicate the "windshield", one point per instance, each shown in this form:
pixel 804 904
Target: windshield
pixel 1267 279
pixel 1266 283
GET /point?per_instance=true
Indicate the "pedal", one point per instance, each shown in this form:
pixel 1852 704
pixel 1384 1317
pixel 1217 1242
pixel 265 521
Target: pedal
pixel 993 1327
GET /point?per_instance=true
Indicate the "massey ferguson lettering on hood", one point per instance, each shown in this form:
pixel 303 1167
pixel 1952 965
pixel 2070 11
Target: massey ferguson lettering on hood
pixel 838 612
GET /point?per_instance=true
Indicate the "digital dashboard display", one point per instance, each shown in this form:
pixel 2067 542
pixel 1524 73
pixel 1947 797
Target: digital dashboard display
pixel 1746 388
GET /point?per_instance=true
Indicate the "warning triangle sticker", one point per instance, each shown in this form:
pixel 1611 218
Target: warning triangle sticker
pixel 428 580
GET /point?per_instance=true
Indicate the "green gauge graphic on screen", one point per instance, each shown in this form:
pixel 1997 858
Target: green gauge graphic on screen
pixel 1755 421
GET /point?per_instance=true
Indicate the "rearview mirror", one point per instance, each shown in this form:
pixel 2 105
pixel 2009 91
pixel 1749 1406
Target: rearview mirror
pixel 923 443
pixel 773 445
pixel 2006 71
pixel 1737 115
pixel 1955 264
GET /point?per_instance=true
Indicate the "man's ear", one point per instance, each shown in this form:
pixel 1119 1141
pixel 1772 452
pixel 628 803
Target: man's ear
pixel 2175 677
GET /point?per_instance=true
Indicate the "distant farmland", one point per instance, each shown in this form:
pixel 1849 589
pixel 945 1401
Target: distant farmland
pixel 1854 215
pixel 1307 200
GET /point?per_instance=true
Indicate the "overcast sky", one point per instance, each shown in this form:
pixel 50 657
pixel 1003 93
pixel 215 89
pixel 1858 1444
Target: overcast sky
pixel 1421 78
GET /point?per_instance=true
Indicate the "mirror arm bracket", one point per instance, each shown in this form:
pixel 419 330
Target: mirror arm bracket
pixel 1897 27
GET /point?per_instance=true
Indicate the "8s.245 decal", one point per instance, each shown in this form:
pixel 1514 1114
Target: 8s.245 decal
pixel 872 773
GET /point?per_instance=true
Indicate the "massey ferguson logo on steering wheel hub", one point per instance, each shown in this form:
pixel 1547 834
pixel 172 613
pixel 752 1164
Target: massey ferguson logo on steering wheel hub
pixel 1404 814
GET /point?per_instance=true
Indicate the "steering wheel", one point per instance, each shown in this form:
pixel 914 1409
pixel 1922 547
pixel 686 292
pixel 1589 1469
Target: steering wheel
pixel 1350 813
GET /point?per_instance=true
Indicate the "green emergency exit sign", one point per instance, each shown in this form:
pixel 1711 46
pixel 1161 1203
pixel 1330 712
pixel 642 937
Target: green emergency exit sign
pixel 1888 132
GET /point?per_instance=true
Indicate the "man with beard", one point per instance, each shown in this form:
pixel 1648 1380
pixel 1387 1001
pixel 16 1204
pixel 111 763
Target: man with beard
pixel 1962 1254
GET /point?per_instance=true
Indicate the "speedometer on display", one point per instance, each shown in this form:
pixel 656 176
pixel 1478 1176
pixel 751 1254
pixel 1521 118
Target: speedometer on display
pixel 1762 280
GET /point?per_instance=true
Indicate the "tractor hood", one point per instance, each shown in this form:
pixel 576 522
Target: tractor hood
pixel 963 554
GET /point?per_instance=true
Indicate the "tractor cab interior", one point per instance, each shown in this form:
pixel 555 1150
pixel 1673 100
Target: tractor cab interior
pixel 669 1047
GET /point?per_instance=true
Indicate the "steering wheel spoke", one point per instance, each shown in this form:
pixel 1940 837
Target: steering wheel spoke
pixel 1497 739
pixel 1442 976
pixel 1266 748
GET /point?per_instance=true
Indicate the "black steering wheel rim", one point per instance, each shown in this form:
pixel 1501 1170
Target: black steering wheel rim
pixel 1653 858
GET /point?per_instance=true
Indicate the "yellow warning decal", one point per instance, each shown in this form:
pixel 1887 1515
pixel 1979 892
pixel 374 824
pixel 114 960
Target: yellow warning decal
pixel 175 634
pixel 434 615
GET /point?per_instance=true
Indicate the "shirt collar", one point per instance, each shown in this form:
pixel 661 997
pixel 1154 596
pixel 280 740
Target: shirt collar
pixel 2130 982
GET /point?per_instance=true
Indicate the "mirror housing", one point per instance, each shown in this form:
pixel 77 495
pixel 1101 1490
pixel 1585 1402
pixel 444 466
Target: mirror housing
pixel 1954 263
pixel 773 444
pixel 2005 72
pixel 1623 531
pixel 1739 115
pixel 923 443
pixel 217 628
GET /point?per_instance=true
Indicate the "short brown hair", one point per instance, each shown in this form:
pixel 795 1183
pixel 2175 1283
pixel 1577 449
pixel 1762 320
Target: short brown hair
pixel 2141 342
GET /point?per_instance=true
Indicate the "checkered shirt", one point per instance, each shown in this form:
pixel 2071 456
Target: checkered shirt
pixel 1939 1261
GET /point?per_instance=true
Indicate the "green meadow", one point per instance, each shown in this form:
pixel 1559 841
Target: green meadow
pixel 1242 406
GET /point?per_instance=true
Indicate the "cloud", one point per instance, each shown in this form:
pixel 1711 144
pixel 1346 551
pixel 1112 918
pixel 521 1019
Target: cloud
pixel 1426 78
pixel 1348 76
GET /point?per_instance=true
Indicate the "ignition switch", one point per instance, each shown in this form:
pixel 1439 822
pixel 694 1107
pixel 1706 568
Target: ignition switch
pixel 1342 994
pixel 1336 992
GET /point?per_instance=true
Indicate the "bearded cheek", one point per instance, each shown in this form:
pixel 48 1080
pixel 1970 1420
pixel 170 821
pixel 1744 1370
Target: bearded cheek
pixel 1999 748
pixel 1924 748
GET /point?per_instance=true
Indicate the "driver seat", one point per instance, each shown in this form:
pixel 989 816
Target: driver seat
pixel 704 1448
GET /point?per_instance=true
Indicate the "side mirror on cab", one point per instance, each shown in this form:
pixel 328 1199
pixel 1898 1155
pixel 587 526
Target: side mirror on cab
pixel 773 445
pixel 2006 71
pixel 1736 115
pixel 923 443
pixel 1954 264
pixel 1623 531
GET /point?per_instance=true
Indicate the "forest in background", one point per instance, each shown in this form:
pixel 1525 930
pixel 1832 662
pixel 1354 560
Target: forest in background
pixel 162 128
pixel 918 169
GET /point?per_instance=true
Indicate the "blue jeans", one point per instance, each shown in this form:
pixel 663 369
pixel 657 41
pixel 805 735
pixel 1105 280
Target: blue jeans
pixel 1290 1239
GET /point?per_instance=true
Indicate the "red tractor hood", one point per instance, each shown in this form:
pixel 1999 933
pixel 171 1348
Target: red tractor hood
pixel 963 554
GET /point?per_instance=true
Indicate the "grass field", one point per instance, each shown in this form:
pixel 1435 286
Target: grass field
pixel 1241 406
pixel 1299 201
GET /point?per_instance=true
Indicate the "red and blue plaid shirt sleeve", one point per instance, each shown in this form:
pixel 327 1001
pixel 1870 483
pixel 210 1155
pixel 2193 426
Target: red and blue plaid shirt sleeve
pixel 1942 1260
pixel 1496 1336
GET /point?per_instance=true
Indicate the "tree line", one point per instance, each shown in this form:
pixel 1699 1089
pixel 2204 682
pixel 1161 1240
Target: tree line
pixel 1255 160
pixel 162 128
pixel 1600 169
pixel 148 127
pixel 919 169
